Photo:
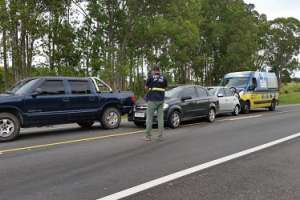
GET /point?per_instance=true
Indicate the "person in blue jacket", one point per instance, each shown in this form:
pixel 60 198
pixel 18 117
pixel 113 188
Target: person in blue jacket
pixel 156 85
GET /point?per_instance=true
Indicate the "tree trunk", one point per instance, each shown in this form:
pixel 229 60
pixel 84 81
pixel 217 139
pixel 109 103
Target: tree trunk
pixel 6 78
pixel 22 52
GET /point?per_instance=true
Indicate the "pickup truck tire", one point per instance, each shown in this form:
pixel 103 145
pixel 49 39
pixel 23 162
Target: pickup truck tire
pixel 9 127
pixel 85 124
pixel 111 118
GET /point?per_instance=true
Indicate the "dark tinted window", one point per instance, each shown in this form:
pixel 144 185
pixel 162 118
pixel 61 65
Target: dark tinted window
pixel 23 87
pixel 228 92
pixel 52 87
pixel 202 92
pixel 80 87
pixel 189 92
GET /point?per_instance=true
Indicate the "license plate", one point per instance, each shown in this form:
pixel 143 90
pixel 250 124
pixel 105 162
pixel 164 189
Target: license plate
pixel 139 115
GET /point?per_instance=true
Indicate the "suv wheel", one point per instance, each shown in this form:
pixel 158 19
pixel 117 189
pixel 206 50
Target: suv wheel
pixel 85 124
pixel 174 119
pixel 111 118
pixel 211 115
pixel 9 127
pixel 236 110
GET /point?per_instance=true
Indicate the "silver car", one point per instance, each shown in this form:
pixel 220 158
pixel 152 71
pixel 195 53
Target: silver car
pixel 228 100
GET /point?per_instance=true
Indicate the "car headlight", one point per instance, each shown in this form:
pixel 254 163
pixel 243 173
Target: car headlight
pixel 242 93
pixel 166 106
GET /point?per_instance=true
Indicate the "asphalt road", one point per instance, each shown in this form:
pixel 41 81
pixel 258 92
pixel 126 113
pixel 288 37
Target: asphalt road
pixel 66 162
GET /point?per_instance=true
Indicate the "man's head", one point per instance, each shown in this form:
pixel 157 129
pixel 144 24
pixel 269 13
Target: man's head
pixel 156 70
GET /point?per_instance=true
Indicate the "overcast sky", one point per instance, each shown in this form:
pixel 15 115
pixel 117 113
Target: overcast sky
pixel 277 8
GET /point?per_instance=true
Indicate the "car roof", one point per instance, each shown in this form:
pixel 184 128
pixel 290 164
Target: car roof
pixel 190 85
pixel 59 78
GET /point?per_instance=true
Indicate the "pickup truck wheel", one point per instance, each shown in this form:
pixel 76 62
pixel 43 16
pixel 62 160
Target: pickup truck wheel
pixel 9 127
pixel 111 118
pixel 85 124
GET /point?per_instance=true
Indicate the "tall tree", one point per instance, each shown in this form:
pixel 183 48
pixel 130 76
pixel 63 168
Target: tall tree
pixel 283 39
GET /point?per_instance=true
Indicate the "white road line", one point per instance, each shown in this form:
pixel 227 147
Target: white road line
pixel 286 106
pixel 240 118
pixel 179 174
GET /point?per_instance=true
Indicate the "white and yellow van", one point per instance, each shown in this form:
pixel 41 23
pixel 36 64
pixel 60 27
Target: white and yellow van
pixel 256 89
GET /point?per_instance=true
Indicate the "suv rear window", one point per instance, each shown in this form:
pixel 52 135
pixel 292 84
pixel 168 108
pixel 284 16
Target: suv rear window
pixel 80 87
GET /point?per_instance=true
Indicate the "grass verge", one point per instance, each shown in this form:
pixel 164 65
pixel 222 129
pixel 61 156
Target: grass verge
pixel 290 94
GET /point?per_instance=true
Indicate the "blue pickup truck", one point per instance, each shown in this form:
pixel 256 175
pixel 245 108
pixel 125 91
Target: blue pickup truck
pixel 42 101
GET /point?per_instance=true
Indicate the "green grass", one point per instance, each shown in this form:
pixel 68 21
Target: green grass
pixel 290 94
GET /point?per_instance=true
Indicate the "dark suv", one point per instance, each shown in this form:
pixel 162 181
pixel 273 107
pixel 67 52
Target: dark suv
pixel 58 100
pixel 182 103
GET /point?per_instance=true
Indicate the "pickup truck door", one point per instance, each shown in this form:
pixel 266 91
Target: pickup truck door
pixel 83 101
pixel 48 106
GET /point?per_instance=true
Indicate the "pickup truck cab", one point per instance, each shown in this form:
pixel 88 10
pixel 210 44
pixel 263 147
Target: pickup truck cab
pixel 41 101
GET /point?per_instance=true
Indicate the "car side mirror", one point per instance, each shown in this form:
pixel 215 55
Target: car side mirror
pixel 37 92
pixel 186 98
pixel 220 95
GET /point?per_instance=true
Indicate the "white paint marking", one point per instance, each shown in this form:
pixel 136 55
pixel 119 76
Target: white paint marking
pixel 286 106
pixel 282 112
pixel 179 174
pixel 240 118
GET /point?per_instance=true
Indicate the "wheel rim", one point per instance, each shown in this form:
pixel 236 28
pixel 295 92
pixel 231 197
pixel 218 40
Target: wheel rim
pixel 112 118
pixel 7 127
pixel 236 110
pixel 175 119
pixel 211 115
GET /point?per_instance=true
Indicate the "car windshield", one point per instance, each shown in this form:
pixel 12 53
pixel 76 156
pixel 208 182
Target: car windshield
pixel 212 91
pixel 173 93
pixel 22 87
pixel 237 82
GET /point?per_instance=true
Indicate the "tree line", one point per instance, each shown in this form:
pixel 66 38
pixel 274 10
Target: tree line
pixel 193 41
